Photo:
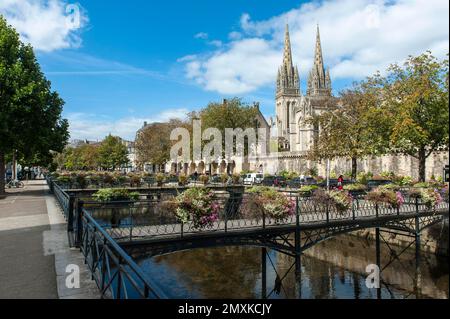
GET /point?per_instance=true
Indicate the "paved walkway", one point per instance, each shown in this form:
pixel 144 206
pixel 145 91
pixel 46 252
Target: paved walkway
pixel 34 250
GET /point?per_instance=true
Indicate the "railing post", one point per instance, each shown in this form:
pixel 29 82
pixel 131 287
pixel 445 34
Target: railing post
pixel 417 205
pixel 79 223
pixel 70 213
pixel 353 210
pixel 328 213
pixel 298 251
pixel 264 219
pixel 51 186
pixel 226 219
pixel 376 210
pixel 182 229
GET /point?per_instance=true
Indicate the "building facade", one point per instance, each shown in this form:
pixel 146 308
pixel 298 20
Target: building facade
pixel 294 135
pixel 293 109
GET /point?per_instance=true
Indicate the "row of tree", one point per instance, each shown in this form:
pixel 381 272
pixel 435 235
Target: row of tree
pixel 406 111
pixel 31 126
pixel 153 142
pixel 110 154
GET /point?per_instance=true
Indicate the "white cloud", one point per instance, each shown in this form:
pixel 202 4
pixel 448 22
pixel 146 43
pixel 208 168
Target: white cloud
pixel 358 38
pixel 201 35
pixel 234 35
pixel 96 127
pixel 216 43
pixel 47 24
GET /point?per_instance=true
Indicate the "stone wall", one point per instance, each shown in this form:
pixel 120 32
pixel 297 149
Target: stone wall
pixel 400 164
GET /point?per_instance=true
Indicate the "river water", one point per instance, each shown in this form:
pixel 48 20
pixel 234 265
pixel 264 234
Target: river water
pixel 335 268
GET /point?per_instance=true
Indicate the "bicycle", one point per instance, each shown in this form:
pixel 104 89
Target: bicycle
pixel 15 184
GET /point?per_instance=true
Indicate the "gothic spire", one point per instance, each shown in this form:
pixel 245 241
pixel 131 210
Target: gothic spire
pixel 288 81
pixel 319 82
pixel 318 59
pixel 287 57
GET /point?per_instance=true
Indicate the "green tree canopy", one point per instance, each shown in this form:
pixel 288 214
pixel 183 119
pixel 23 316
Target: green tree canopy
pixel 233 114
pixel 153 142
pixel 30 116
pixel 112 153
pixel 416 100
pixel 352 129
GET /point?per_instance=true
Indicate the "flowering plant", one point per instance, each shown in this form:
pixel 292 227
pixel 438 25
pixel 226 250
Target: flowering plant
pixel 197 204
pixel 341 200
pixel 383 195
pixel 115 194
pixel 429 196
pixel 355 187
pixel 268 201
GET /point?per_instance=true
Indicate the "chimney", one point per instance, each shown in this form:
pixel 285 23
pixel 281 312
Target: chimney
pixel 145 123
pixel 225 101
pixel 256 104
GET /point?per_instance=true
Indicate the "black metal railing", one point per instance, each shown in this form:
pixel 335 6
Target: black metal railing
pixel 149 219
pixel 116 274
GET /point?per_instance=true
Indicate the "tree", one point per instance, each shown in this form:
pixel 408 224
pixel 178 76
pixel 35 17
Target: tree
pixel 112 153
pixel 153 142
pixel 233 114
pixel 416 98
pixel 30 112
pixel 352 129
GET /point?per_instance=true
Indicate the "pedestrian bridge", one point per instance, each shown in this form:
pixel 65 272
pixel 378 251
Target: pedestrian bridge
pixel 310 225
pixel 112 236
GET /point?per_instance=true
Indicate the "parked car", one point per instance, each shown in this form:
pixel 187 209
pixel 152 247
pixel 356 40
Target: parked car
pixel 253 178
pixel 334 183
pixel 298 182
pixel 280 181
pixel 215 179
pixel 268 181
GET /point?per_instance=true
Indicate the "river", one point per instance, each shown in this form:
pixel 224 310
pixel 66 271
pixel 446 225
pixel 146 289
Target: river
pixel 332 269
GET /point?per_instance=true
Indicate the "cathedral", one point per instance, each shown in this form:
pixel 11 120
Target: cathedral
pixel 296 135
pixel 292 107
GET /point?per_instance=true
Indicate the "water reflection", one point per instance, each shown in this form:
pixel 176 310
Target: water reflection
pixel 332 269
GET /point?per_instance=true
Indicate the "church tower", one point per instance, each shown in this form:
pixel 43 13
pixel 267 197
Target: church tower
pixel 287 96
pixel 319 81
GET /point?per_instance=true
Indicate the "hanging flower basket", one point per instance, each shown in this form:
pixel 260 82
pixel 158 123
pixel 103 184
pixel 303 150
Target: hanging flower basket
pixel 197 205
pixel 387 197
pixel 338 199
pixel 268 202
pixel 430 197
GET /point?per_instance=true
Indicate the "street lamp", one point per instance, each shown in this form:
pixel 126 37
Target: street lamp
pixel 328 174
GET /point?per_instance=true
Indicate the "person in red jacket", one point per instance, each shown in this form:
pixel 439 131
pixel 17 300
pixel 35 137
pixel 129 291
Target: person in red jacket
pixel 340 182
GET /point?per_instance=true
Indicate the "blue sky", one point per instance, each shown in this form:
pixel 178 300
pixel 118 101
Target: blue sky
pixel 133 61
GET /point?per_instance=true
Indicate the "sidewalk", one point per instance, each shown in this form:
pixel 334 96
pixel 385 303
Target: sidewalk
pixel 34 250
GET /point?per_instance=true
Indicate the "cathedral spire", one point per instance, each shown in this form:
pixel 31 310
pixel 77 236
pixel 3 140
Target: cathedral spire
pixel 319 82
pixel 318 59
pixel 287 57
pixel 288 80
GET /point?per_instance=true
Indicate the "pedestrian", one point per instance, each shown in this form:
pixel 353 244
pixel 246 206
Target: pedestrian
pixel 340 182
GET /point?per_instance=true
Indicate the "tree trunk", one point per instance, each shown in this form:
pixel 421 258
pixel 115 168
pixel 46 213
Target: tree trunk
pixel 422 161
pixel 354 167
pixel 2 173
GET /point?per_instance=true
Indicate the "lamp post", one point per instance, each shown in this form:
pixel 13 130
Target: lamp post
pixel 328 174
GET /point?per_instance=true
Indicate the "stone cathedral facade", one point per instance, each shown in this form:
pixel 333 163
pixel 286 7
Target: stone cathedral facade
pixel 295 135
pixel 292 107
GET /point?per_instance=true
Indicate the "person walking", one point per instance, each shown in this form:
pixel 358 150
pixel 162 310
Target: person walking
pixel 340 182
